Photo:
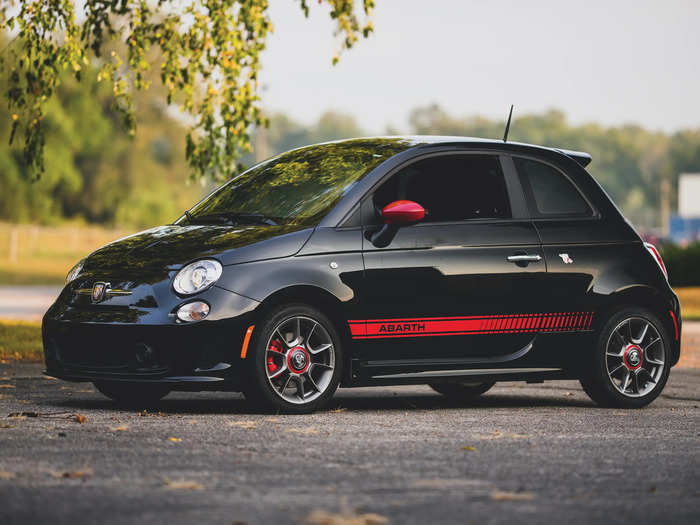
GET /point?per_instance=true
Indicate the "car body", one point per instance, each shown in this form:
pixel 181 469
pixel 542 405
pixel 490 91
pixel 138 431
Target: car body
pixel 511 274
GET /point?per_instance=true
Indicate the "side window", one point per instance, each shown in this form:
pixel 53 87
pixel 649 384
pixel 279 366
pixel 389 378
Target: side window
pixel 552 194
pixel 450 188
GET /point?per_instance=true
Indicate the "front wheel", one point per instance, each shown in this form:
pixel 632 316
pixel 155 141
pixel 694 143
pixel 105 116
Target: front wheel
pixel 461 391
pixel 631 363
pixel 297 361
pixel 132 394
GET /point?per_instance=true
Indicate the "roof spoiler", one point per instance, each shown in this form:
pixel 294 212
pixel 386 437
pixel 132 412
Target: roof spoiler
pixel 583 158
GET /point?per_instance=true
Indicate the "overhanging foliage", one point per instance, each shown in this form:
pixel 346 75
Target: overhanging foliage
pixel 208 61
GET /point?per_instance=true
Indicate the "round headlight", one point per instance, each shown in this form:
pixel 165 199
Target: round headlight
pixel 197 276
pixel 75 271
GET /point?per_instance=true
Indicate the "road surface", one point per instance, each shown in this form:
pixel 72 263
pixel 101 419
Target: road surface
pixel 521 454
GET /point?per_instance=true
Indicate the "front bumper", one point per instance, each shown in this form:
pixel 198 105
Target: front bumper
pixel 121 342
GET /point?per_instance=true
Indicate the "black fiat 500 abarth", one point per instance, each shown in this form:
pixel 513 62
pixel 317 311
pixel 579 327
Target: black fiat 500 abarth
pixel 446 261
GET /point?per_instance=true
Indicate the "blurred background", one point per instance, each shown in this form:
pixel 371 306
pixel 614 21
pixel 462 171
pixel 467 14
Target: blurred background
pixel 616 79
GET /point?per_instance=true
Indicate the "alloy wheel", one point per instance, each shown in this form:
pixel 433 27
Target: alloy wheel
pixel 635 357
pixel 299 359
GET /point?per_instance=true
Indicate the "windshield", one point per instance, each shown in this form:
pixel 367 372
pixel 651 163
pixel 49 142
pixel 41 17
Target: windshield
pixel 300 186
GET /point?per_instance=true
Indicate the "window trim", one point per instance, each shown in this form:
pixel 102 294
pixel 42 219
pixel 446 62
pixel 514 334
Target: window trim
pixel 509 186
pixel 529 194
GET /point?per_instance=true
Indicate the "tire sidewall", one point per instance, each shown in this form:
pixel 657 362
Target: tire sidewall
pixel 258 387
pixel 600 377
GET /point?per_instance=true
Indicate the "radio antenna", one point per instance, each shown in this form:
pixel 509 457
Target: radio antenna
pixel 505 135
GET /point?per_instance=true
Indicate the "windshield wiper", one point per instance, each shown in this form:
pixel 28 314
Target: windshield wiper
pixel 233 218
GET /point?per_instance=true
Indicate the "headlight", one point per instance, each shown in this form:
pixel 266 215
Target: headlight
pixel 197 276
pixel 75 271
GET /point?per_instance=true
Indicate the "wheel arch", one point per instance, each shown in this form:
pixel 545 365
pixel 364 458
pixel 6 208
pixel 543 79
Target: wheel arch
pixel 649 298
pixel 324 301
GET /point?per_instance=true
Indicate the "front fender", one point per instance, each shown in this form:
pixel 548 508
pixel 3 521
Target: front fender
pixel 262 279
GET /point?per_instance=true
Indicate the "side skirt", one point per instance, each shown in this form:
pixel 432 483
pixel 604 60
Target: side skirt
pixel 480 374
pixel 461 373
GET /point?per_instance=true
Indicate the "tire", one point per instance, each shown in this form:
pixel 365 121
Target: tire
pixel 297 374
pixel 132 394
pixel 630 365
pixel 461 391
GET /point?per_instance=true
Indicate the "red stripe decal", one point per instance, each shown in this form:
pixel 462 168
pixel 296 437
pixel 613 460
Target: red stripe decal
pixel 357 328
pixel 468 325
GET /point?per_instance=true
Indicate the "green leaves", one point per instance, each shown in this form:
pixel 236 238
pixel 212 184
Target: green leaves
pixel 207 53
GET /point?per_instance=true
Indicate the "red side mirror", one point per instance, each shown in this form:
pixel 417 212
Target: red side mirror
pixel 402 212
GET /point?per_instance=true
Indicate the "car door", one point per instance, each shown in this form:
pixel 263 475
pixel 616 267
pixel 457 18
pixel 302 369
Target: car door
pixel 583 250
pixel 454 289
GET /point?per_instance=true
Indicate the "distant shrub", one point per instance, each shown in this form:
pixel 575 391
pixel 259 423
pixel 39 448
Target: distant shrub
pixel 683 264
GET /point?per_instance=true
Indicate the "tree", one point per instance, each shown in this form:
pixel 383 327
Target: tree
pixel 95 172
pixel 207 53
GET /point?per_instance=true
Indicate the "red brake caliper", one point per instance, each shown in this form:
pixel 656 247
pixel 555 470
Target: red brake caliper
pixel 275 346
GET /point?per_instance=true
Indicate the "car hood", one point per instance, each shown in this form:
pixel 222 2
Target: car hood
pixel 152 253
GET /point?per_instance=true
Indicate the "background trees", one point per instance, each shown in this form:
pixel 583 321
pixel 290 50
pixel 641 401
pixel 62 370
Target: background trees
pixel 96 173
pixel 205 53
pixel 629 161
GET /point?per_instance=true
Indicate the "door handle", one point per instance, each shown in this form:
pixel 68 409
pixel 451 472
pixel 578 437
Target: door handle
pixel 524 258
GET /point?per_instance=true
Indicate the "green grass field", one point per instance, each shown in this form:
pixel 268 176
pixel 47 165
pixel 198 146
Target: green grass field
pixel 20 340
pixel 43 255
pixel 690 302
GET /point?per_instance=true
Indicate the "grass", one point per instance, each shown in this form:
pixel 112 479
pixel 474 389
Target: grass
pixel 20 340
pixel 690 302
pixel 43 254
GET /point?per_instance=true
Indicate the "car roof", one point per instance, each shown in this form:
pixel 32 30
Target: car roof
pixel 581 157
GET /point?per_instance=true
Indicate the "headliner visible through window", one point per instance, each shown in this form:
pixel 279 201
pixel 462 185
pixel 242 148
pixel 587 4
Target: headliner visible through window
pixel 451 188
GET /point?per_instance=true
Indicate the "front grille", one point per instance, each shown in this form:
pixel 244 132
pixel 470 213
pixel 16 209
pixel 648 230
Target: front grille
pixel 84 347
pixel 95 348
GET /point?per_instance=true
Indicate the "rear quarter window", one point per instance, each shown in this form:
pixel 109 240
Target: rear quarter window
pixel 550 193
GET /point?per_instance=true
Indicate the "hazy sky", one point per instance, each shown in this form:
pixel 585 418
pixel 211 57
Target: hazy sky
pixel 609 61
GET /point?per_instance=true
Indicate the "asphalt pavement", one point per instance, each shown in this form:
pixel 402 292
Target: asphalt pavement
pixel 522 453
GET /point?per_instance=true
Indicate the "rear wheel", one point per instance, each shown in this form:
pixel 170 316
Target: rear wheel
pixel 297 361
pixel 631 363
pixel 132 394
pixel 462 391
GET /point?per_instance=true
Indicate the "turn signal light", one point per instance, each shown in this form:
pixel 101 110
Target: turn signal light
pixel 195 311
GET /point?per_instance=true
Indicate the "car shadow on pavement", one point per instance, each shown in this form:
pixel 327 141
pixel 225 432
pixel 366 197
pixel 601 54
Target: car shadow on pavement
pixel 233 403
